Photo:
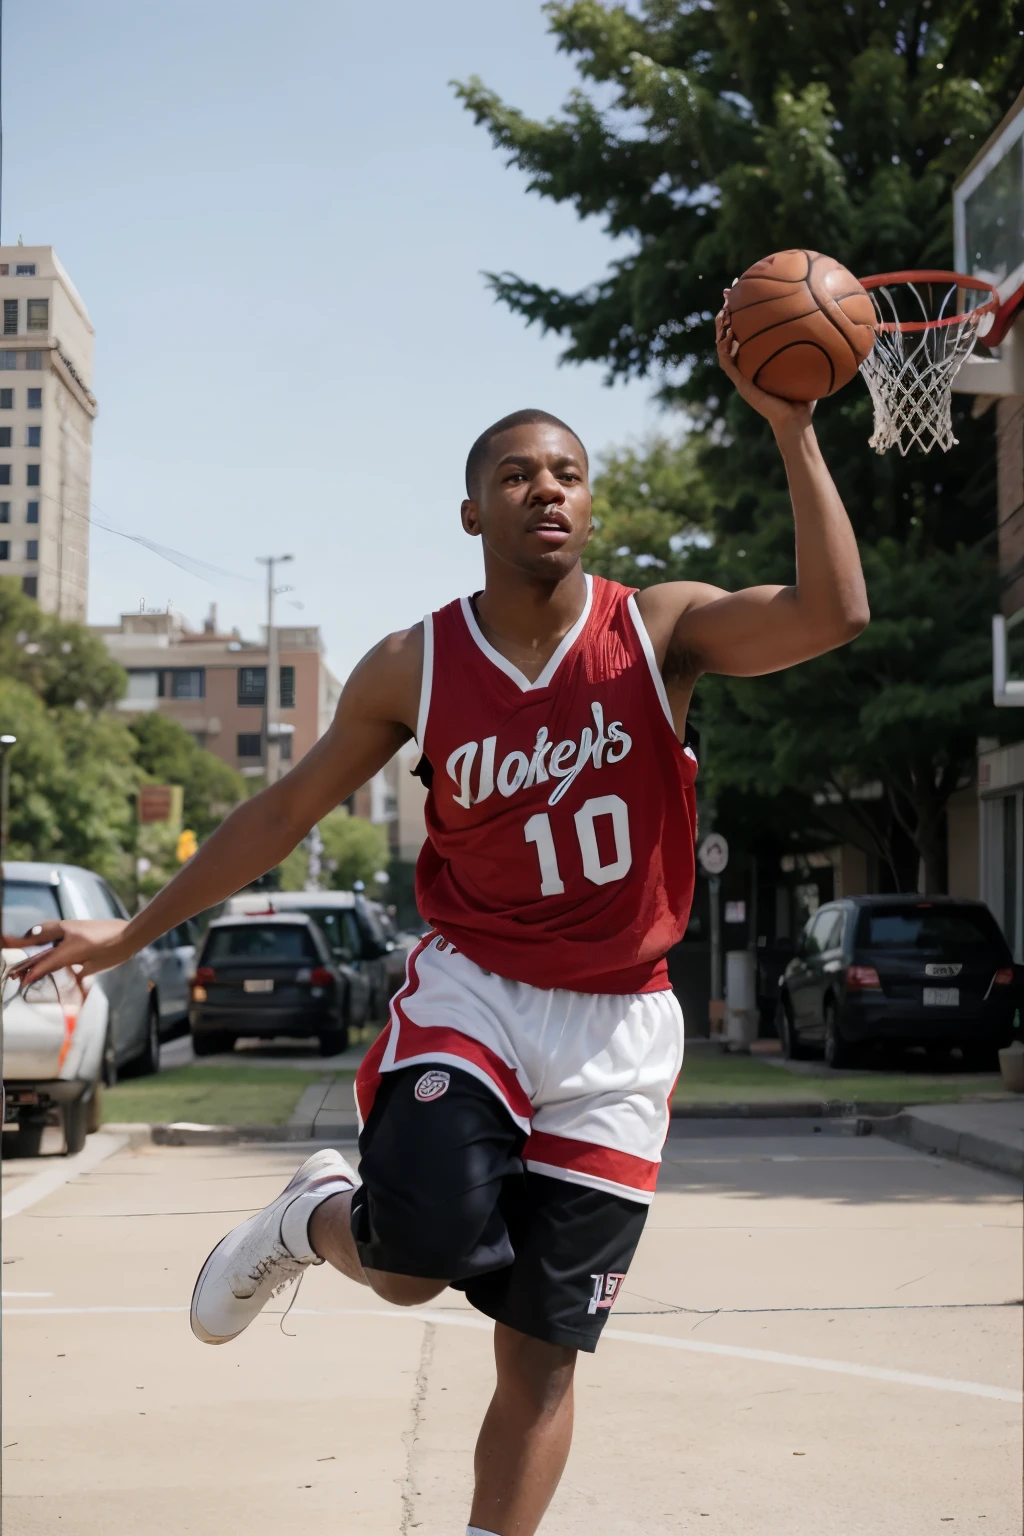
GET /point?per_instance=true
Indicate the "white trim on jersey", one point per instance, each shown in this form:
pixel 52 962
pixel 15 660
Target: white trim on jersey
pixel 426 679
pixel 519 678
pixel 652 660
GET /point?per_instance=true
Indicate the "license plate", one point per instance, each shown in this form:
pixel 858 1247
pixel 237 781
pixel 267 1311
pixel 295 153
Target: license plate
pixel 258 986
pixel 942 997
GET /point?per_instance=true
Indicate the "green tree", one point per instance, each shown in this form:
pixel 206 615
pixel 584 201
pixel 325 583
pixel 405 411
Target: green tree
pixel 354 849
pixel 59 660
pixel 708 135
pixel 169 755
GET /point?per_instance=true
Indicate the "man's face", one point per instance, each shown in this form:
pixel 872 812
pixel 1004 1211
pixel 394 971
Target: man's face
pixel 531 504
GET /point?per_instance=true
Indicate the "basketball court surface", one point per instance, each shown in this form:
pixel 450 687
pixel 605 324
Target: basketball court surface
pixel 847 1360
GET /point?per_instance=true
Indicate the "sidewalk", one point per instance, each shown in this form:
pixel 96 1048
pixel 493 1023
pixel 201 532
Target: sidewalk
pixel 991 1135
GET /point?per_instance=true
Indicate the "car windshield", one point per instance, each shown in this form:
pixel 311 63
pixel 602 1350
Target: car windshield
pixel 260 941
pixel 26 904
pixel 925 927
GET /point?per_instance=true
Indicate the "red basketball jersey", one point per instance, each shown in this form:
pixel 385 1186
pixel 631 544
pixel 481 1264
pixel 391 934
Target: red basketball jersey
pixel 561 814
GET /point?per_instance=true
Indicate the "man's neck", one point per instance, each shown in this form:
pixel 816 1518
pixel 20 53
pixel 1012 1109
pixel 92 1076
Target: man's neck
pixel 526 619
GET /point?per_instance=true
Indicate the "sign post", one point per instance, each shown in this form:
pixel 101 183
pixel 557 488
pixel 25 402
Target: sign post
pixel 713 856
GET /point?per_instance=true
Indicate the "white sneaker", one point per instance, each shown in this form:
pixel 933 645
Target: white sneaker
pixel 253 1263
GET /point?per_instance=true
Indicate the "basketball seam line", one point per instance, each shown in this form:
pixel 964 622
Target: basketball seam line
pixel 838 329
pixel 789 320
pixel 816 344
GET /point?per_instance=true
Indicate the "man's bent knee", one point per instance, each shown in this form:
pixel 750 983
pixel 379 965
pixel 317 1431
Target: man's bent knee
pixel 403 1290
pixel 536 1372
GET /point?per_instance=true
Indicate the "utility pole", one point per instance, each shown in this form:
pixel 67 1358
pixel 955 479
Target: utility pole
pixel 271 738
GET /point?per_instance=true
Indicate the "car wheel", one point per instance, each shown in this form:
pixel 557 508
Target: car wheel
pixel 28 1138
pixel 212 1042
pixel 147 1061
pixel 75 1119
pixel 980 1058
pixel 838 1050
pixel 792 1050
pixel 95 1108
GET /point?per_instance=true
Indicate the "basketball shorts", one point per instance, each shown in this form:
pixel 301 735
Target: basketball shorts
pixel 511 1138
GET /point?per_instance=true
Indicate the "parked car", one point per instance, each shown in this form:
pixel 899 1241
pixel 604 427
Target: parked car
pixel 58 1055
pixel 170 960
pixel 929 971
pixel 352 927
pixel 272 975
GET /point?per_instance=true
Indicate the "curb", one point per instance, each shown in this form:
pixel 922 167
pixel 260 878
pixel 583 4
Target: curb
pixel 185 1134
pixel 963 1146
pixel 795 1109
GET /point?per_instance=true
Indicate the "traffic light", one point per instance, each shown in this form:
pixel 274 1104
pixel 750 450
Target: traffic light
pixel 186 845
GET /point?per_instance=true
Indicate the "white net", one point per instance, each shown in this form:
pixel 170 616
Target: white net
pixel 910 372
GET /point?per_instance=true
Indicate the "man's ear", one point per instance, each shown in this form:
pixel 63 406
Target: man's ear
pixel 471 518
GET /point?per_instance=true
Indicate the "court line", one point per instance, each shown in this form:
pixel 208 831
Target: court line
pixel 621 1335
pixel 96 1150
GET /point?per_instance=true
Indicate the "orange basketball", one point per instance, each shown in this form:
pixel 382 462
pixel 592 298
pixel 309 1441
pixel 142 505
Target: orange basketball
pixel 803 322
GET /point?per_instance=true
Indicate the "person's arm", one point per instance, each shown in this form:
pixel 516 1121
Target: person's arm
pixel 764 629
pixel 375 715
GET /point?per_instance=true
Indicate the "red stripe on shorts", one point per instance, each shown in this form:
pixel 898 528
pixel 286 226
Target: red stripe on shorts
pixel 586 1157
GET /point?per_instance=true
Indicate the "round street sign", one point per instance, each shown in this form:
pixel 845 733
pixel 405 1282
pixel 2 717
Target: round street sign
pixel 713 854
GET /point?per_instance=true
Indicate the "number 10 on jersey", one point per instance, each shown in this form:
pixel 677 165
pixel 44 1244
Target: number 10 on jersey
pixel 538 832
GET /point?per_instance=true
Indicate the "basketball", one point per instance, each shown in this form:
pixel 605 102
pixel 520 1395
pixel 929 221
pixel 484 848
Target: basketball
pixel 803 323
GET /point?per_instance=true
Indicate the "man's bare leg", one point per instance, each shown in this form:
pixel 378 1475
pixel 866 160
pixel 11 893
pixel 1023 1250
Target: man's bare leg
pixel 525 1437
pixel 330 1234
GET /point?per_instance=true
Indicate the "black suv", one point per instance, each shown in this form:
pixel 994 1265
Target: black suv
pixel 928 971
pixel 270 976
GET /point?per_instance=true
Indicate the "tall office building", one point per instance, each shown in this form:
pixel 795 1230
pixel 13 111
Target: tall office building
pixel 46 414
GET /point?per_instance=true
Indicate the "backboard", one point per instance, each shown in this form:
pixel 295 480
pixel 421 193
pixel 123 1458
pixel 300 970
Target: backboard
pixel 988 238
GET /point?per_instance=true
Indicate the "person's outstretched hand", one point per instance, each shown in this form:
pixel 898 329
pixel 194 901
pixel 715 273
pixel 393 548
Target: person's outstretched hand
pixel 784 415
pixel 89 946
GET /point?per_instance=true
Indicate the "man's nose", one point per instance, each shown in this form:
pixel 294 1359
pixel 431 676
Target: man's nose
pixel 547 489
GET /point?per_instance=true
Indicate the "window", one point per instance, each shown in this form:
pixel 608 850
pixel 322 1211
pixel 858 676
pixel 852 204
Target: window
pixel 34 438
pixel 5 474
pixel 33 474
pixel 266 942
pixel 5 549
pixel 31 511
pixel 5 511
pixel 252 685
pixel 250 744
pixel 5 270
pixel 143 684
pixel 5 437
pixel 7 399
pixel 38 318
pixel 32 549
pixel 35 399
pixel 285 743
pixel 8 360
pixel 10 317
pixel 287 691
pixel 25 269
pixel 188 683
pixel 33 361
pixel 924 926
pixel 30 586
pixel 26 904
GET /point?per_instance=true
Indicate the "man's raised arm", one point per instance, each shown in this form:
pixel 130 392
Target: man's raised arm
pixel 764 629
pixel 375 715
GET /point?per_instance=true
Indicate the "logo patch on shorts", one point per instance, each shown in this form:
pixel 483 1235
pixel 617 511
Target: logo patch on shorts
pixel 431 1086
pixel 606 1288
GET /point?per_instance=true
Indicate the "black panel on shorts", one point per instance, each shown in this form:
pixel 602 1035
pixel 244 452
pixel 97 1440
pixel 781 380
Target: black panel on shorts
pixel 445 1196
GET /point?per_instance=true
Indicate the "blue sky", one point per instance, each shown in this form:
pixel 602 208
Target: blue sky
pixel 278 217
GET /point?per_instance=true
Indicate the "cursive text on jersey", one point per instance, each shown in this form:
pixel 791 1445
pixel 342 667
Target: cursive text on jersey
pixel 561 761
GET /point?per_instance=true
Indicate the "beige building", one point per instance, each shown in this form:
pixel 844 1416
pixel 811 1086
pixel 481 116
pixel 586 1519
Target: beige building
pixel 214 684
pixel 47 410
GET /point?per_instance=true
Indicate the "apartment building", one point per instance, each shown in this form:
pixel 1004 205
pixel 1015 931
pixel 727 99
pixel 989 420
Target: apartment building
pixel 47 409
pixel 215 684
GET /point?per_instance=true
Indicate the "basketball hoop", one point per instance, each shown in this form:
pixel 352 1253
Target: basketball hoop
pixel 926 328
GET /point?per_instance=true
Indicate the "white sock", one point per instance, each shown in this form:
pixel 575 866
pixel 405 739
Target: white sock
pixel 295 1221
pixel 478 1530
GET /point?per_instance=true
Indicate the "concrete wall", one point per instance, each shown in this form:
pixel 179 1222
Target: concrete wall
pixel 962 844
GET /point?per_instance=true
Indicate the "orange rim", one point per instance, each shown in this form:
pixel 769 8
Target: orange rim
pixel 972 284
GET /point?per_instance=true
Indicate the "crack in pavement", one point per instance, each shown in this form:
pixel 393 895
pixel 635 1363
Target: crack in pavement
pixel 410 1493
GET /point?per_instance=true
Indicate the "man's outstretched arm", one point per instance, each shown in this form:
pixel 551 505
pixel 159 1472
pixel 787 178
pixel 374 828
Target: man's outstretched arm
pixel 764 629
pixel 375 715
